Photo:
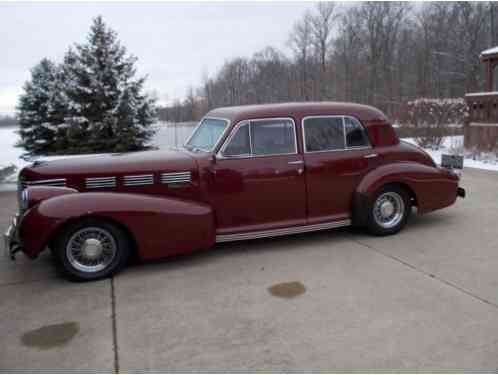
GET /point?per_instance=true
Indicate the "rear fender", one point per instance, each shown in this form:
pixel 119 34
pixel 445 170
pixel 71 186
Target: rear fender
pixel 160 226
pixel 432 187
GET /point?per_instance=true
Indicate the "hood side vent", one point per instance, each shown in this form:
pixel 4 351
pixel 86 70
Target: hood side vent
pixel 138 180
pixel 58 182
pixel 100 182
pixel 176 177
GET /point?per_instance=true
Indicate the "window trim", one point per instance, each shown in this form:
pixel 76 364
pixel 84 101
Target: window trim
pixel 252 155
pixel 227 127
pixel 346 148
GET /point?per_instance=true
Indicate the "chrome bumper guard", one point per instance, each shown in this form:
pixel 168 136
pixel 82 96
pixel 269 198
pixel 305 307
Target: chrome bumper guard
pixel 11 241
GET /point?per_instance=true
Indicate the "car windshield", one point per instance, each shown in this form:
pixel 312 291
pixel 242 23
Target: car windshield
pixel 207 134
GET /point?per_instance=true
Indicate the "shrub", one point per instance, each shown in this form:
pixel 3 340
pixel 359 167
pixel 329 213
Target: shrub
pixel 430 118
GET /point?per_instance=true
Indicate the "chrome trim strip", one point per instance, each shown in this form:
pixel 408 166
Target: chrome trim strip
pixel 282 231
pixel 176 173
pixel 251 155
pixel 50 182
pixel 346 148
pixel 138 180
pixel 176 177
pixel 100 182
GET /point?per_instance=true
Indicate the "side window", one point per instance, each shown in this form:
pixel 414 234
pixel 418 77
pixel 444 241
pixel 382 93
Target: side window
pixel 273 137
pixel 355 134
pixel 324 133
pixel 240 143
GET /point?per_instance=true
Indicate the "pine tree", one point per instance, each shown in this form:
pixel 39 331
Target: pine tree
pixel 91 103
pixel 107 111
pixel 41 110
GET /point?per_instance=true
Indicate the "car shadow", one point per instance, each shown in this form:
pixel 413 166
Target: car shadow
pixel 288 244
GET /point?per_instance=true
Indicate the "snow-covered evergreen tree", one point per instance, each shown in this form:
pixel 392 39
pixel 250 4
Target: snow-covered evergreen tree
pixel 107 109
pixel 91 103
pixel 42 108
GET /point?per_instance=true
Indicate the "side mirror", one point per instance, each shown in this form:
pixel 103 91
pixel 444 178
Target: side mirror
pixel 213 158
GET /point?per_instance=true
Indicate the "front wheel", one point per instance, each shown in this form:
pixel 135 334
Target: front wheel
pixel 91 249
pixel 389 210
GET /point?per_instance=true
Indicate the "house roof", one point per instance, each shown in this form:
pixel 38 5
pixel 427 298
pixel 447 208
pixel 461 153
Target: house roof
pixel 491 52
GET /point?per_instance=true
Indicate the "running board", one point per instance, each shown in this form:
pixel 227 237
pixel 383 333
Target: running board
pixel 282 231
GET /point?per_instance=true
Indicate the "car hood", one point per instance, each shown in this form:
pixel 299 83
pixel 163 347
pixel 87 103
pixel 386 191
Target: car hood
pixel 111 165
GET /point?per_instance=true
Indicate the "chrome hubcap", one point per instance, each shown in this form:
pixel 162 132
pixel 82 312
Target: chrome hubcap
pixel 389 209
pixel 91 249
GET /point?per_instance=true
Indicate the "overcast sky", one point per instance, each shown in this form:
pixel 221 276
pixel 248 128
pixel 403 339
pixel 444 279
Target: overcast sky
pixel 175 42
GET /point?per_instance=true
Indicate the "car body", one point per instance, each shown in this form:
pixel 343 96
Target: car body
pixel 246 172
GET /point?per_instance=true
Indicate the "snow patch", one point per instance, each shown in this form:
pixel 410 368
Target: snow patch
pixel 490 51
pixel 454 145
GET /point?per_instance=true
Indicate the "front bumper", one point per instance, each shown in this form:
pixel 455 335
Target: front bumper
pixel 11 239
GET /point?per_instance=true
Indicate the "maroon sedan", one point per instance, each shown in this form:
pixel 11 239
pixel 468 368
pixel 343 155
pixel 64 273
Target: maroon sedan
pixel 246 172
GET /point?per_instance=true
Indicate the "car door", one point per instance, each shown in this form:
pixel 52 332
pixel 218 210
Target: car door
pixel 259 177
pixel 337 155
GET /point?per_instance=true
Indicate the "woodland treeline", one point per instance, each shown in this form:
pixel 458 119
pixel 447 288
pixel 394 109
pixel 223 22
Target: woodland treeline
pixel 378 53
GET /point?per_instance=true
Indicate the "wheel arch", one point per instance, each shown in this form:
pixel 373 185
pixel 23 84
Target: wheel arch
pixel 363 199
pixel 73 220
pixel 159 226
pixel 405 186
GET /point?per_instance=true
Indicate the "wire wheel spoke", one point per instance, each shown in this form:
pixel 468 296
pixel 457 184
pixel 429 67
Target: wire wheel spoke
pixel 388 210
pixel 91 249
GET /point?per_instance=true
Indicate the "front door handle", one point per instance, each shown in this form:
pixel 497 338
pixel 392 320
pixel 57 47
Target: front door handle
pixel 369 156
pixel 296 162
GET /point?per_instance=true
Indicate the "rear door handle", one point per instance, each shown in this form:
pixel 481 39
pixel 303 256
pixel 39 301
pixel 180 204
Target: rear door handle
pixel 296 162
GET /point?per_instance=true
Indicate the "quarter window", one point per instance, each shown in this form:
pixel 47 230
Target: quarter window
pixel 324 133
pixel 355 134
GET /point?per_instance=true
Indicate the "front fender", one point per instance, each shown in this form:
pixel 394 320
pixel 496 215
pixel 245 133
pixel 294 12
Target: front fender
pixel 160 226
pixel 432 187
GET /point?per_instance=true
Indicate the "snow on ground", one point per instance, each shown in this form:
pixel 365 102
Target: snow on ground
pixel 454 145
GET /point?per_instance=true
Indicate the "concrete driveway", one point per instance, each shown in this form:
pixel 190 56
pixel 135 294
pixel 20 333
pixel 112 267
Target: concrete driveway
pixel 424 300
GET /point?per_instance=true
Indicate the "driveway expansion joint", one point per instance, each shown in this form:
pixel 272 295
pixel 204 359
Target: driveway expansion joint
pixel 114 328
pixel 428 274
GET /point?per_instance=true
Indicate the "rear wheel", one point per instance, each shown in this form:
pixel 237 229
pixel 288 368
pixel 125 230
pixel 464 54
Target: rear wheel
pixel 92 249
pixel 389 210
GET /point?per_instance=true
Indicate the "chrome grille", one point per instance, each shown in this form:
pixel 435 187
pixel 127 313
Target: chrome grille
pixel 60 182
pixel 100 182
pixel 176 177
pixel 138 180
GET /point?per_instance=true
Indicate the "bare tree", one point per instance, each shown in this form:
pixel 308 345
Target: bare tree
pixel 301 43
pixel 322 23
pixel 378 53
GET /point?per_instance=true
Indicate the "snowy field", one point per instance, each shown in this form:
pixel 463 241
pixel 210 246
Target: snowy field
pixel 171 135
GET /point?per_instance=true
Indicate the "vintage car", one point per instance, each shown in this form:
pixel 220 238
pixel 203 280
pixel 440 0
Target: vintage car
pixel 245 172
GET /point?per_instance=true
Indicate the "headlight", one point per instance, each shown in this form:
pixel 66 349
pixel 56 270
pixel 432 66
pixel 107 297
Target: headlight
pixel 24 200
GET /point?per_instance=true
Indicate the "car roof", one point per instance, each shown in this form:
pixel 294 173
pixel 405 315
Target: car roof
pixel 298 110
